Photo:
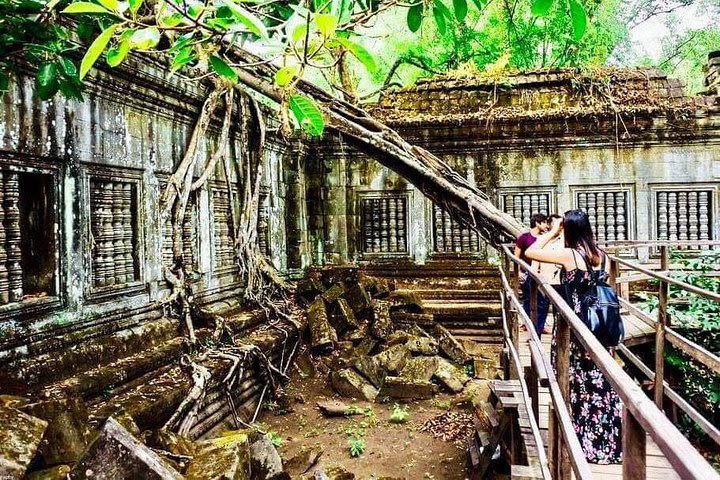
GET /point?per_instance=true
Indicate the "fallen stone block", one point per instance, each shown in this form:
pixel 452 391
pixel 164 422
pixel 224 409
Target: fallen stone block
pixel 333 293
pixel 170 442
pixel 226 457
pixel 450 346
pixel 453 377
pixel 371 369
pixel 420 368
pixel 309 288
pixel 322 335
pixel 380 325
pixel 67 434
pixel 342 316
pixel 365 347
pixel 399 387
pixel 349 383
pixel 406 318
pixel 358 299
pixel 336 408
pixel 116 454
pixel 423 345
pixel 407 300
pixel 265 460
pixel 305 365
pixel 394 358
pixel 20 437
pixel 334 473
pixel 303 461
pixel 58 472
pixel 397 337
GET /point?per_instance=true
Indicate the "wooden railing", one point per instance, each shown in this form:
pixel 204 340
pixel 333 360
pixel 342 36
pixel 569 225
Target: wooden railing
pixel 641 417
pixel 664 333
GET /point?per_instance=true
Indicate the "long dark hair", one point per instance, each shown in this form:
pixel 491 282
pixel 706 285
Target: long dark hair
pixel 579 235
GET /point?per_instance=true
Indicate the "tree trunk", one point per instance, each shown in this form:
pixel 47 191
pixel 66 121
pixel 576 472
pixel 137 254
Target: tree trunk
pixel 432 176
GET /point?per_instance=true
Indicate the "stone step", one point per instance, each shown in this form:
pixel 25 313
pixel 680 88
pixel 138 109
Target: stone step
pixel 450 308
pixel 92 383
pixel 457 294
pixel 66 361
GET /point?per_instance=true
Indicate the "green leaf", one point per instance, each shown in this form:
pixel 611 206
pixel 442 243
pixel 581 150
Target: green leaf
pixel 480 4
pixel 46 81
pixel 183 57
pixel 145 38
pixel 251 22
pixel 67 67
pixel 461 9
pixel 171 20
pixel 95 49
pixel 299 33
pixel 361 53
pixel 117 54
pixel 415 17
pixel 223 69
pixel 579 19
pixel 307 114
pixel 111 5
pixel 326 24
pixel 85 7
pixel 541 8
pixel 439 15
pixel 135 6
pixel 285 75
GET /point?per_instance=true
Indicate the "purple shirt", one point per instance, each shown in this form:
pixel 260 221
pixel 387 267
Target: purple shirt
pixel 523 242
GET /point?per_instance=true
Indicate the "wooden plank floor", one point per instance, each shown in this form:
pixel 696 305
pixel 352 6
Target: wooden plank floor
pixel 636 331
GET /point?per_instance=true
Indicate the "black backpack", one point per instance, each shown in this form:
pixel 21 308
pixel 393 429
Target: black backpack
pixel 601 307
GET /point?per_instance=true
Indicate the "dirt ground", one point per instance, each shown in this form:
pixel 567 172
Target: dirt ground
pixel 396 451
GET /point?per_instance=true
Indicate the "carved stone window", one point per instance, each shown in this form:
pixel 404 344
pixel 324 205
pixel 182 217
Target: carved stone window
pixel 450 236
pixel 524 203
pixel 189 236
pixel 28 241
pixel 383 223
pixel 223 228
pixel 114 232
pixel 684 214
pixel 608 209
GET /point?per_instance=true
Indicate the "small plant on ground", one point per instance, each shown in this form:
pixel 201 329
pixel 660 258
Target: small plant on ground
pixel 357 446
pixel 399 414
pixel 275 438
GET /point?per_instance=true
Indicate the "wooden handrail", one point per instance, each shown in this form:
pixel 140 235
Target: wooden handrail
pixel 702 422
pixel 685 459
pixel 659 243
pixel 542 457
pixel 669 280
pixel 579 464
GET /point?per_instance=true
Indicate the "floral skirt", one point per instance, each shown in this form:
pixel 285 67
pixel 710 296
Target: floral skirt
pixel 596 408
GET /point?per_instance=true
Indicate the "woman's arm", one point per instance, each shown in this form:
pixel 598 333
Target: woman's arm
pixel 537 251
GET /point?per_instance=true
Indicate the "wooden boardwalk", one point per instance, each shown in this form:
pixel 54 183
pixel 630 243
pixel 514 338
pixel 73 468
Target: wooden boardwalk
pixel 636 332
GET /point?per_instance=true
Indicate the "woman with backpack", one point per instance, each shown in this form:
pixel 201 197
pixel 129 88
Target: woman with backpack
pixel 596 408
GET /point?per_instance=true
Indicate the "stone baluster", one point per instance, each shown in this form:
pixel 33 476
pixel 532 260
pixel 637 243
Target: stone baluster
pixel 447 231
pixel 366 223
pixel 189 237
pixel 4 281
pixel 108 233
pixel 402 234
pixel 392 214
pixel 12 233
pixel 385 224
pixel 118 238
pixel 621 215
pixel 672 216
pixel 610 218
pixel 662 215
pixel 703 218
pixel 600 216
pixel 376 224
pixel 682 216
pixel 693 231
pixel 456 235
pixel 439 233
pixel 591 210
pixel 129 226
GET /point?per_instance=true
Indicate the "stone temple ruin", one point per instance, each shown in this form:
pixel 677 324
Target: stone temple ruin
pixel 87 342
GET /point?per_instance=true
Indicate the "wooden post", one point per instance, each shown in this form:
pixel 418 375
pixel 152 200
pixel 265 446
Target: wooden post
pixel 531 379
pixel 533 303
pixel 552 439
pixel 633 445
pixel 562 356
pixel 614 271
pixel 660 331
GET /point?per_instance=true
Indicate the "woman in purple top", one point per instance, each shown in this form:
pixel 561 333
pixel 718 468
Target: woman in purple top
pixel 538 225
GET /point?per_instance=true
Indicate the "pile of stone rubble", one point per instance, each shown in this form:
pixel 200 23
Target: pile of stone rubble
pixel 377 342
